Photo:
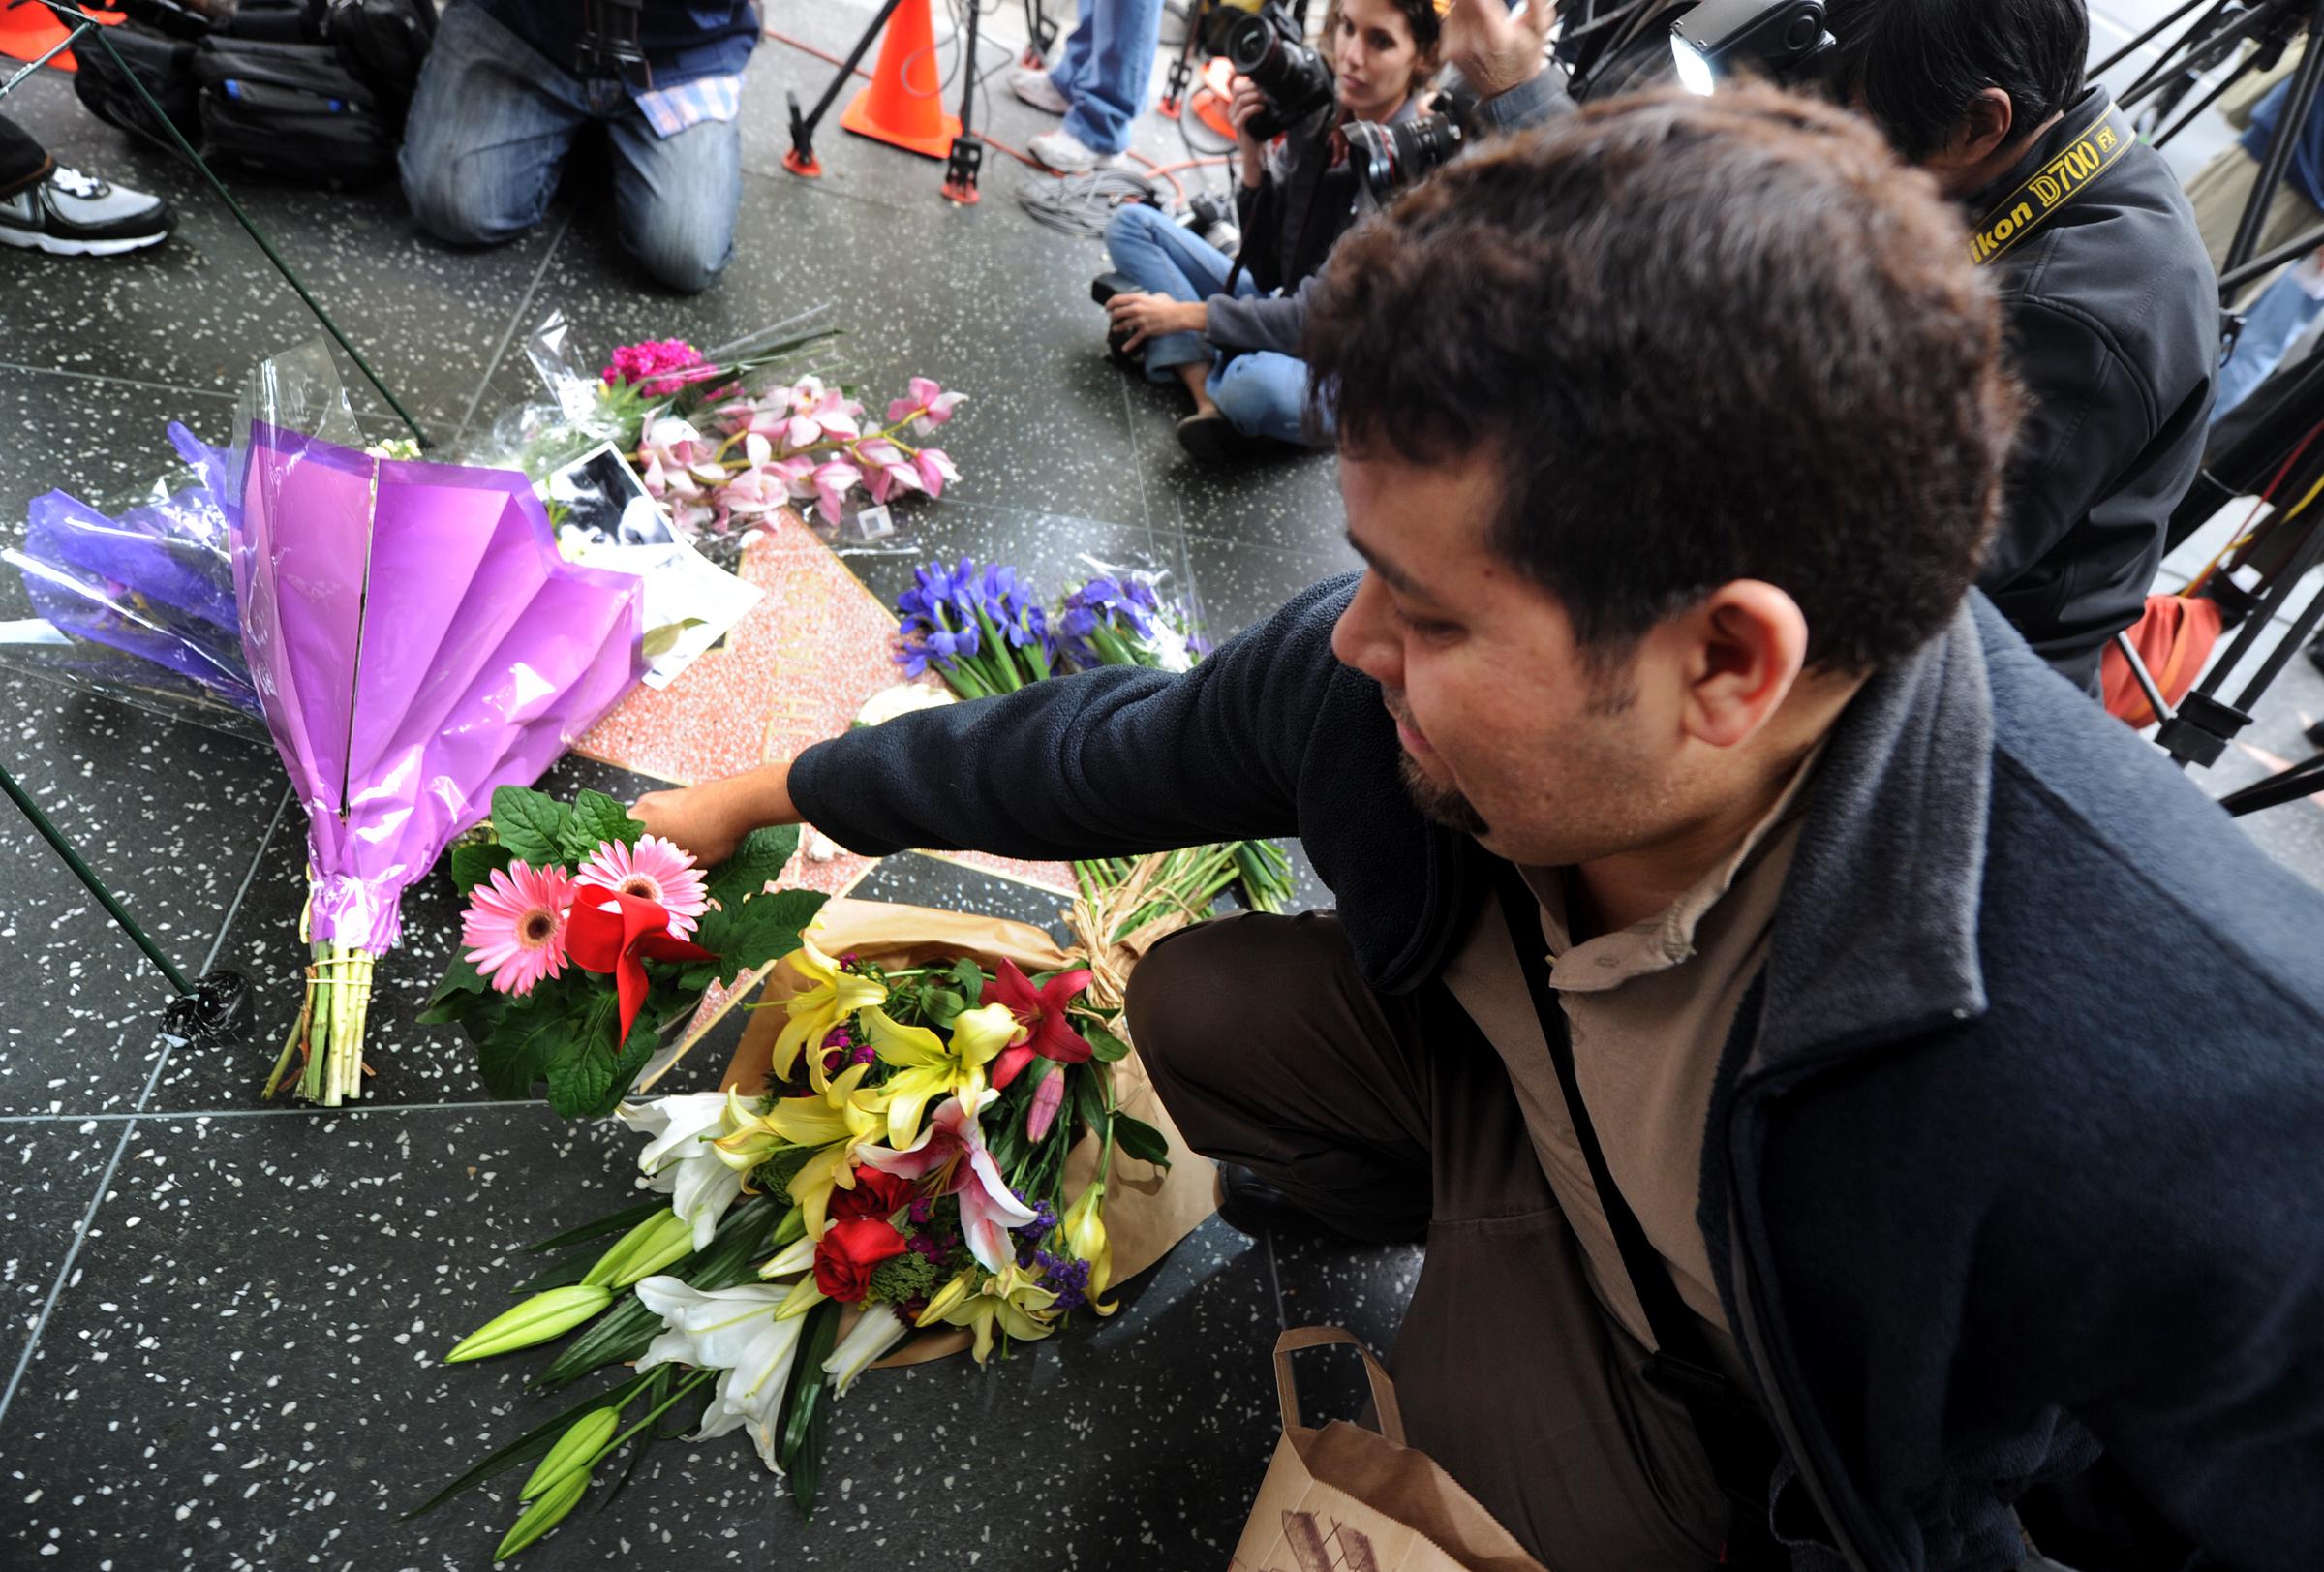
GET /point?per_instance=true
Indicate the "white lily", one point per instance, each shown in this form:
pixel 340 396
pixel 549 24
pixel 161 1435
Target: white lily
pixel 679 1160
pixel 733 1331
pixel 877 1330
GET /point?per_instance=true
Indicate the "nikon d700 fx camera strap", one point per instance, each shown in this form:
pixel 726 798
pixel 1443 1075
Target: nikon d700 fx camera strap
pixel 2100 136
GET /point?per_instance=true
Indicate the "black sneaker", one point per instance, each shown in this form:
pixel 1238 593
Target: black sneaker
pixel 1211 439
pixel 72 214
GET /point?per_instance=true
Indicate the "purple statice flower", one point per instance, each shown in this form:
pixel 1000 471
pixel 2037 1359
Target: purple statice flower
pixel 862 1053
pixel 923 1210
pixel 1067 1277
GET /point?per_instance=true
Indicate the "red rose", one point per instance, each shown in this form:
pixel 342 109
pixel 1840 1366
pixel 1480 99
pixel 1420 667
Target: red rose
pixel 849 1250
pixel 876 1194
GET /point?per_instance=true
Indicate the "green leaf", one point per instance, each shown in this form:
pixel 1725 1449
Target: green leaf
pixel 582 1073
pixel 942 1007
pixel 1108 1048
pixel 533 1445
pixel 1088 1095
pixel 597 819
pixel 463 995
pixel 543 1032
pixel 747 935
pixel 1141 1140
pixel 473 862
pixel 759 859
pixel 664 639
pixel 619 1223
pixel 969 978
pixel 563 1274
pixel 808 1407
pixel 636 1054
pixel 531 826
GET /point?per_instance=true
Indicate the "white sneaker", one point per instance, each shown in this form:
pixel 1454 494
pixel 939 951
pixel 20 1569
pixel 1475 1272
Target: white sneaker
pixel 1035 88
pixel 1065 153
pixel 72 214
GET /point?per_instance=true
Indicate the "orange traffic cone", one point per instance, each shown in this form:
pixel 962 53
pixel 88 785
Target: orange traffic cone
pixel 31 30
pixel 902 105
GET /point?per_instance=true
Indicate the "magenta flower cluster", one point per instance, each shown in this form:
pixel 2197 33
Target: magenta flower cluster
pixel 656 367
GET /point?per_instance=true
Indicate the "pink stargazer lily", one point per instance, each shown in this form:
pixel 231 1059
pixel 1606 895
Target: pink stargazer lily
pixel 927 402
pixel 952 1143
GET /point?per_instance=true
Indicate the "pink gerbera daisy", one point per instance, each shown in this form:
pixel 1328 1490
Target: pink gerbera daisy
pixel 656 870
pixel 515 926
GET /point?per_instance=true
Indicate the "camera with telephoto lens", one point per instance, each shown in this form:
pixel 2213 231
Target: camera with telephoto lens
pixel 1269 48
pixel 1391 158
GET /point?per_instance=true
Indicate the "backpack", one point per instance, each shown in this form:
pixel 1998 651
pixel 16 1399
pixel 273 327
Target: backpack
pixel 292 111
pixel 166 66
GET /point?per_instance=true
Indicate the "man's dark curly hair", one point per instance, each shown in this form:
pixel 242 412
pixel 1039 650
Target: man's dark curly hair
pixel 1705 339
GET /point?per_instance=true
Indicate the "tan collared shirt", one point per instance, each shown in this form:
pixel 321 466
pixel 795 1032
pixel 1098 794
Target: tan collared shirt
pixel 1649 1010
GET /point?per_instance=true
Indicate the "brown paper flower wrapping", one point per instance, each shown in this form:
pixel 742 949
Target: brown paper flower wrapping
pixel 1148 1208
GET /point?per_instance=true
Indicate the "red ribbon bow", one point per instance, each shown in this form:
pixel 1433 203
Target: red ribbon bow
pixel 612 931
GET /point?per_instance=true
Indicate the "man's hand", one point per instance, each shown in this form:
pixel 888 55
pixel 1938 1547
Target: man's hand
pixel 1493 50
pixel 1141 316
pixel 710 821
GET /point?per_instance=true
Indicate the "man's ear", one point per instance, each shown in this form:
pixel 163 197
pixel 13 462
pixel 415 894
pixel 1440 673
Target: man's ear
pixel 1749 642
pixel 1983 130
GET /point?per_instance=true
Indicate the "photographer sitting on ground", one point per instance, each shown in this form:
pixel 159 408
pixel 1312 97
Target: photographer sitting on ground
pixel 509 87
pixel 1294 199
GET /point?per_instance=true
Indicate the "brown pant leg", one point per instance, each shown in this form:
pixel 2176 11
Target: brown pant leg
pixel 1389 1114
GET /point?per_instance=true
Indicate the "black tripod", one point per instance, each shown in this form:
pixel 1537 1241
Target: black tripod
pixel 962 165
pixel 2275 440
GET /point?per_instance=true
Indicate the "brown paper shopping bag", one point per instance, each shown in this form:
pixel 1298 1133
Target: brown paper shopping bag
pixel 1344 1499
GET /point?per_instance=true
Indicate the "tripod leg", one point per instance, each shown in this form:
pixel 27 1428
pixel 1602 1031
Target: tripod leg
pixel 2289 128
pixel 2284 785
pixel 801 159
pixel 967 156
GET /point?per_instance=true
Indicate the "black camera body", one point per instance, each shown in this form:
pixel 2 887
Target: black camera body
pixel 1268 48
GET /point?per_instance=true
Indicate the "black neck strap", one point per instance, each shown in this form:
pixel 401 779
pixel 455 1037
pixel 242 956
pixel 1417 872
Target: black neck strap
pixel 1742 1452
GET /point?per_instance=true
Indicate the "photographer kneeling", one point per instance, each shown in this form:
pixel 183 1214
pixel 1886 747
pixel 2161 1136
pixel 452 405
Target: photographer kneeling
pixel 1229 328
pixel 510 84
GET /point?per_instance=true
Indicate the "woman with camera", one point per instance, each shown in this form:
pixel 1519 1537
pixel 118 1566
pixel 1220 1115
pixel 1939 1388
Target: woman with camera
pixel 1230 330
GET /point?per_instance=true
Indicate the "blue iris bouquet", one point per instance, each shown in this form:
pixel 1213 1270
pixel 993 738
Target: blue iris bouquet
pixel 983 630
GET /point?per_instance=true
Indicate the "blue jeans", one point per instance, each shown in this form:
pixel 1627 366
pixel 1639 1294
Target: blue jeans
pixel 2276 318
pixel 492 122
pixel 1104 71
pixel 1261 393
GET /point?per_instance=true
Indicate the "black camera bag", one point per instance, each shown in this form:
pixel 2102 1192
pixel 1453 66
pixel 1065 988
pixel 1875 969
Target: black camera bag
pixel 293 111
pixel 166 66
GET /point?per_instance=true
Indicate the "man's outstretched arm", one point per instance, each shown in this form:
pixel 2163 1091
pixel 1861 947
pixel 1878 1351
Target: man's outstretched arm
pixel 1108 764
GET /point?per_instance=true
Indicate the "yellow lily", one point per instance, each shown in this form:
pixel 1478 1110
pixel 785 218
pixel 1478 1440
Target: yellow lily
pixel 1012 1300
pixel 749 1139
pixel 1083 1225
pixel 832 1000
pixel 929 1069
pixel 841 1122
